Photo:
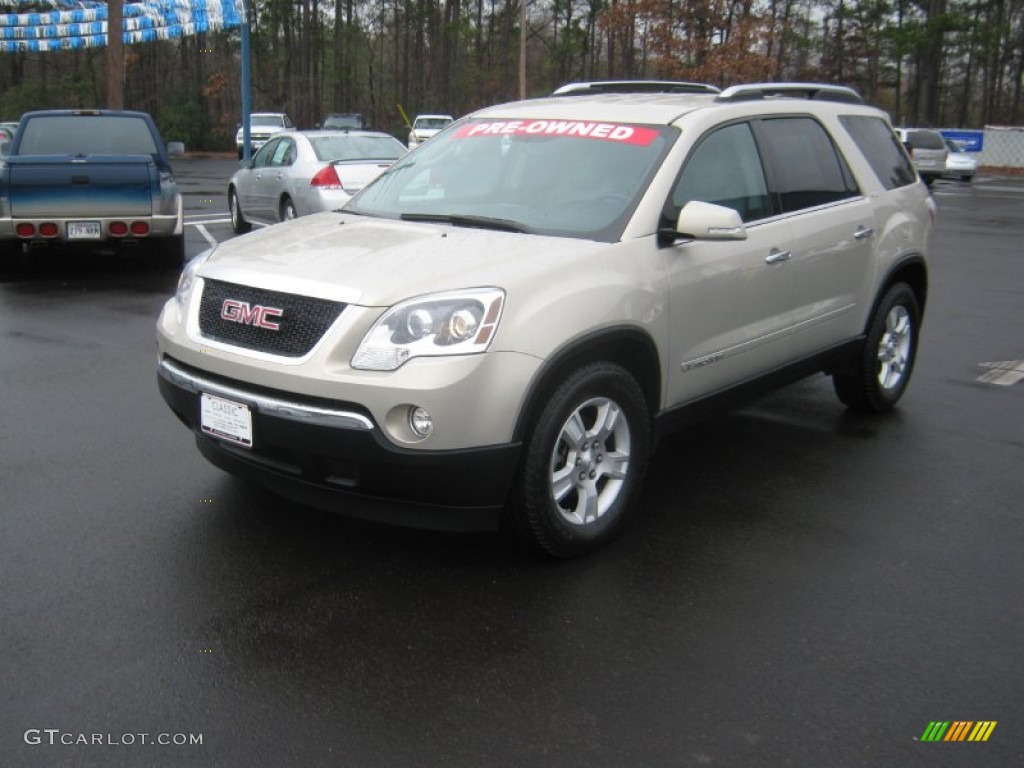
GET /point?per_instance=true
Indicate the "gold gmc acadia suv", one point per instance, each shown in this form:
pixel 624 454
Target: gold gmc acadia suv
pixel 500 327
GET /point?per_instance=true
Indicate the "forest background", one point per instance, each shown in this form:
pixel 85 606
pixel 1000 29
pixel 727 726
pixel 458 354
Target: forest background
pixel 940 63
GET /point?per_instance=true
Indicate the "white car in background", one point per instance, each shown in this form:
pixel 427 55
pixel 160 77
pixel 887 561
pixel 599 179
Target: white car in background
pixel 301 172
pixel 959 164
pixel 425 126
pixel 262 125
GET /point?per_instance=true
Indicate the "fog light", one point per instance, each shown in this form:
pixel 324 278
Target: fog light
pixel 420 422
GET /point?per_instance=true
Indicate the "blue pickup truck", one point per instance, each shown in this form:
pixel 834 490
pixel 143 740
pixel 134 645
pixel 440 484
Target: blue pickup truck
pixel 98 178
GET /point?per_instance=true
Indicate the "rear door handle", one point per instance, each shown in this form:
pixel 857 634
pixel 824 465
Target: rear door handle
pixel 863 233
pixel 777 257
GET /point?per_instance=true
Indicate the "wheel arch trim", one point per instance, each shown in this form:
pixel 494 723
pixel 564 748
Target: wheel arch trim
pixel 628 346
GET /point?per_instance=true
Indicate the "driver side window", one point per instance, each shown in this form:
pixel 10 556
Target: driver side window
pixel 265 154
pixel 724 169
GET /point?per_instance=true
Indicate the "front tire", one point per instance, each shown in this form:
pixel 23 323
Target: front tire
pixel 883 368
pixel 238 222
pixel 583 463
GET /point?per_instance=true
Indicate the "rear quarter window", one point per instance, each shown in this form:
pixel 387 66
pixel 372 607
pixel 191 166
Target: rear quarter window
pixel 808 170
pixel 881 148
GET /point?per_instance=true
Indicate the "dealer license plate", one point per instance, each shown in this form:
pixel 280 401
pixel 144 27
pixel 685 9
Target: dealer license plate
pixel 226 420
pixel 83 230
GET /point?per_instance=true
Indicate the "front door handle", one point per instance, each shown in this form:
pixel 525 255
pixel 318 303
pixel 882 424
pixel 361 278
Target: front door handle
pixel 863 233
pixel 777 257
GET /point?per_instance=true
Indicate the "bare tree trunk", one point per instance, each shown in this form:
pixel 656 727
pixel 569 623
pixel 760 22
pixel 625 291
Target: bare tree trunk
pixel 115 55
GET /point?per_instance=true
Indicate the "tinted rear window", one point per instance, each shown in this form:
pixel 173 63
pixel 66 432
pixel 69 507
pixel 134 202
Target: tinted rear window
pixel 87 135
pixel 925 140
pixel 882 150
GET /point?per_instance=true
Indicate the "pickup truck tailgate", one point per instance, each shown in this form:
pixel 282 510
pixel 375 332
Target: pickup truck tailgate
pixel 61 186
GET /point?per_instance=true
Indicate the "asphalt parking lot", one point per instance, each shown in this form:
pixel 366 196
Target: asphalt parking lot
pixel 804 587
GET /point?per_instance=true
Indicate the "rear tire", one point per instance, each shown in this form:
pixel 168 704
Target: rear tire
pixel 583 463
pixel 238 223
pixel 288 212
pixel 882 371
pixel 171 251
pixel 12 255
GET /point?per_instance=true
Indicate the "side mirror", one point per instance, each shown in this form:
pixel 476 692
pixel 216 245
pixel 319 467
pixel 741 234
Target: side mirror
pixel 706 221
pixel 175 148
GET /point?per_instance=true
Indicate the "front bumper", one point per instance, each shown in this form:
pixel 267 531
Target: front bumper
pixel 331 455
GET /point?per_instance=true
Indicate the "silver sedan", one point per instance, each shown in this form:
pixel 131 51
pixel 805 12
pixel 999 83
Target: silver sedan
pixel 302 172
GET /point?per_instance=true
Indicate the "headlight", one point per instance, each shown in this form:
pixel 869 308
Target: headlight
pixel 457 323
pixel 188 279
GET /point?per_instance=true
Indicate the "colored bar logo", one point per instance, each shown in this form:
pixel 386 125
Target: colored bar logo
pixel 958 730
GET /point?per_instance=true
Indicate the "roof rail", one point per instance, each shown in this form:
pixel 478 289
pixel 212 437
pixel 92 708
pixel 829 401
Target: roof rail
pixel 816 91
pixel 633 86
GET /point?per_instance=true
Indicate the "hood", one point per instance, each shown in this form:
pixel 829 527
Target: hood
pixel 378 262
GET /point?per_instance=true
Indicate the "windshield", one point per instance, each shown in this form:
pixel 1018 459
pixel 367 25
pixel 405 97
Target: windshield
pixel 431 123
pixel 266 120
pixel 344 121
pixel 569 178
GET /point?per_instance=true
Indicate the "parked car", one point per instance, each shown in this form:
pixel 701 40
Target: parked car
pixel 959 164
pixel 262 125
pixel 426 126
pixel 91 178
pixel 302 172
pixel 505 321
pixel 927 149
pixel 344 121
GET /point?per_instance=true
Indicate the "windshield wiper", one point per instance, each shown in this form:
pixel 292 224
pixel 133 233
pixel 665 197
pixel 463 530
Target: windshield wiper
pixel 460 220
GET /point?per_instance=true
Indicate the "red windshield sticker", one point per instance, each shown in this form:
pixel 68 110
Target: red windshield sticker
pixel 624 134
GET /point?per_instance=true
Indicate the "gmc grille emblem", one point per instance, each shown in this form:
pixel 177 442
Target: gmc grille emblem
pixel 243 312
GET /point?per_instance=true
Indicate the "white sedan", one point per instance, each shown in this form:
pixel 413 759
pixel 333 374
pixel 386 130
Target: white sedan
pixel 301 172
pixel 960 164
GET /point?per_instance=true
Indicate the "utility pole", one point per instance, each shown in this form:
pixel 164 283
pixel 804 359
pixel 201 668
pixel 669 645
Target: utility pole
pixel 522 49
pixel 115 54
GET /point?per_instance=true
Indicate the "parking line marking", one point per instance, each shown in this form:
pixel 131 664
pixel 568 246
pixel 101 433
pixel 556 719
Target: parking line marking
pixel 206 235
pixel 1004 373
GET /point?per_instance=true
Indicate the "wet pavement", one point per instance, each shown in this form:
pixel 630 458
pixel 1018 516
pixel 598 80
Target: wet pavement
pixel 803 586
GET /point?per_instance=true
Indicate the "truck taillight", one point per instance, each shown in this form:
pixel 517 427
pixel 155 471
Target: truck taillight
pixel 326 178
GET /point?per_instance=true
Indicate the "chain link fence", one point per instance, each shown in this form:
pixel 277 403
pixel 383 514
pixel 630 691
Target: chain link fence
pixel 1003 148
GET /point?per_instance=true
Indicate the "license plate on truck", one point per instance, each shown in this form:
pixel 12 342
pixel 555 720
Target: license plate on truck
pixel 226 420
pixel 83 230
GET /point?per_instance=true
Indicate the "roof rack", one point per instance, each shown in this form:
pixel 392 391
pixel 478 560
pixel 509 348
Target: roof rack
pixel 815 91
pixel 634 86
